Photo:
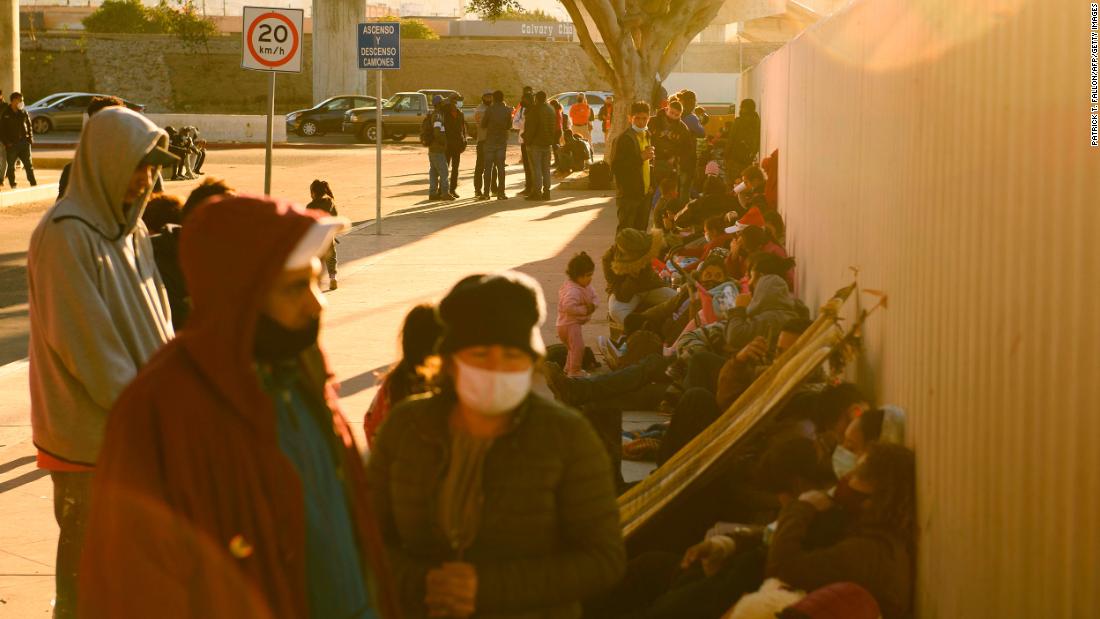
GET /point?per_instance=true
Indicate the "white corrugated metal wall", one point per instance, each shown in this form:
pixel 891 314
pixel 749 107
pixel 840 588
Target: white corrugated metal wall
pixel 942 147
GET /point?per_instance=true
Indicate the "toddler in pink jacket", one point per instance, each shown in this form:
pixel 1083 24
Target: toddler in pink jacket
pixel 576 304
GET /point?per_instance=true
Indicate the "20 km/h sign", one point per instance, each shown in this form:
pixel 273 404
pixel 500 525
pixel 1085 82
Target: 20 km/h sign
pixel 272 39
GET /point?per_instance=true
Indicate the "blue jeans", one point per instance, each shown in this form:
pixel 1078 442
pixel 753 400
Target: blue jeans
pixel 540 168
pixel 494 167
pixel 438 176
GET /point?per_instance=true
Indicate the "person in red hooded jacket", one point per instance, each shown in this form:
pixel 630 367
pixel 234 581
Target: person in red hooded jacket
pixel 229 484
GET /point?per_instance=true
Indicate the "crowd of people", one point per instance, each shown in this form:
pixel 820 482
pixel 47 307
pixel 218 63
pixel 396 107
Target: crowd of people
pixel 202 467
pixel 551 140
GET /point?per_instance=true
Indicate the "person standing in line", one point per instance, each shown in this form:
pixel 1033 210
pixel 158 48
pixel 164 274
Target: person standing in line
pixel 564 125
pixel 456 139
pixel 493 501
pixel 321 199
pixel 98 313
pixel 607 111
pixel 495 124
pixel 581 115
pixel 18 136
pixel 481 163
pixel 696 132
pixel 541 132
pixel 229 484
pixel 631 167
pixel 519 122
pixel 434 136
pixel 4 151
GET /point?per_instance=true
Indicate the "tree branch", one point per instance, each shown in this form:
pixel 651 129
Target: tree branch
pixel 589 46
pixel 687 30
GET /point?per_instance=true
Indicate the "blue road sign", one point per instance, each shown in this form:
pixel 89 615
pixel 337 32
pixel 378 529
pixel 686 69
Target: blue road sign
pixel 380 45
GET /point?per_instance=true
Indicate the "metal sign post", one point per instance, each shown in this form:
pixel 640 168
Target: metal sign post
pixel 273 43
pixel 379 45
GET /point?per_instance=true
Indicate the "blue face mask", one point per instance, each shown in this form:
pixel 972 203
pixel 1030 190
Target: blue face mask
pixel 844 461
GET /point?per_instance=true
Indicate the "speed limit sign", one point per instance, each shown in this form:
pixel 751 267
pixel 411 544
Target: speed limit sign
pixel 272 39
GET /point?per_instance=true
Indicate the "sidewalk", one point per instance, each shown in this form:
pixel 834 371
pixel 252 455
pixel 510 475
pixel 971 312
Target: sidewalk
pixel 424 251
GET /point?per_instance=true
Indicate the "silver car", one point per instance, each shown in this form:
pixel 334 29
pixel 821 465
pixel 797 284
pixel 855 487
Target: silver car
pixel 65 111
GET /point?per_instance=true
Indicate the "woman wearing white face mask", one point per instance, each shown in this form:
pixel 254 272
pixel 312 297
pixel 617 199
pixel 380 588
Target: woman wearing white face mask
pixel 493 500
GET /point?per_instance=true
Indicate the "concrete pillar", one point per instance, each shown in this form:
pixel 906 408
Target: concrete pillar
pixel 335 58
pixel 9 46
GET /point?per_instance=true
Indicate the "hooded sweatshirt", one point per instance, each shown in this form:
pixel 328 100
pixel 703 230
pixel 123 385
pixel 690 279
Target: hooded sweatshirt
pixel 98 307
pixel 771 307
pixel 198 512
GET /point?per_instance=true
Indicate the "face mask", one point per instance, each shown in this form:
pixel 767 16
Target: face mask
pixel 20 105
pixel 740 187
pixel 637 129
pixel 844 461
pixel 489 392
pixel 275 343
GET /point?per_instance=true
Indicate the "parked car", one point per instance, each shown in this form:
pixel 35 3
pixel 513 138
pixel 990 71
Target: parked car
pixel 327 116
pixel 596 100
pixel 65 111
pixel 402 115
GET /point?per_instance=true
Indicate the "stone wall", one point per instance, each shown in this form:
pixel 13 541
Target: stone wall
pixel 169 76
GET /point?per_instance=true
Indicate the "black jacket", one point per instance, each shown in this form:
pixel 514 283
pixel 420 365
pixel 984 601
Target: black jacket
pixel 455 125
pixel 15 127
pixel 540 128
pixel 627 165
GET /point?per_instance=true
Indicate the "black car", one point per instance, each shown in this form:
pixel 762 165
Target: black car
pixel 326 116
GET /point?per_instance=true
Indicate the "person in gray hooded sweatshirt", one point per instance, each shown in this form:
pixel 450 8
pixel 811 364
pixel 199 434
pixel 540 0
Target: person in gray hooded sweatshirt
pixel 98 312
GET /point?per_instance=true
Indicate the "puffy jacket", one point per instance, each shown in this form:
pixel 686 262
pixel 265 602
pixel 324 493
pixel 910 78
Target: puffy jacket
pixel 15 126
pixel 549 535
pixel 540 128
pixel 573 302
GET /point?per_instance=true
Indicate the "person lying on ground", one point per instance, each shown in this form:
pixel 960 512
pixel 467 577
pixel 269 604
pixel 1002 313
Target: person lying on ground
pixel 494 501
pixel 229 484
pixel 411 375
pixel 761 313
pixel 877 552
pixel 632 284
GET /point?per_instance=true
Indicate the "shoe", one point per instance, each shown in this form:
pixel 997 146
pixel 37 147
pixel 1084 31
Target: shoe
pixel 332 285
pixel 481 196
pixel 501 196
pixel 535 197
pixel 545 195
pixel 14 185
pixel 432 197
pixel 34 184
pixel 447 198
pixel 454 195
pixel 677 370
pixel 609 352
pixel 558 382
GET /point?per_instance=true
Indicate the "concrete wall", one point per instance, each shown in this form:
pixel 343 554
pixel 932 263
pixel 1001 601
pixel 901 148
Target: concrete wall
pixel 943 149
pixel 226 128
pixel 9 45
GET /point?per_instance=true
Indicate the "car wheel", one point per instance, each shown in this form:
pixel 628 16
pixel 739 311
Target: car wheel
pixel 308 129
pixel 370 133
pixel 397 137
pixel 41 125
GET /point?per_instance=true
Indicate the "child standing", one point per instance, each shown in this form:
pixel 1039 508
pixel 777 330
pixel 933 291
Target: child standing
pixel 322 199
pixel 576 304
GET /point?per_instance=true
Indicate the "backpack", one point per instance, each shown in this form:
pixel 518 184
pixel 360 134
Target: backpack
pixel 427 131
pixel 599 175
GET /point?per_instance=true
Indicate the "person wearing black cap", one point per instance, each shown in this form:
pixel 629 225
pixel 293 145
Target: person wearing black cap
pixel 493 500
pixel 98 312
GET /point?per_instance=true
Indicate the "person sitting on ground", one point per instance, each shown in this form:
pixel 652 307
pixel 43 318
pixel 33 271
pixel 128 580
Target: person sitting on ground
pixel 886 425
pixel 199 146
pixel 493 500
pixel 715 201
pixel 714 237
pixel 776 228
pixel 878 551
pixel 410 376
pixel 711 575
pixel 751 187
pixel 761 312
pixel 576 304
pixel 321 199
pixel 709 284
pixel 749 241
pixel 580 151
pixel 664 212
pixel 632 283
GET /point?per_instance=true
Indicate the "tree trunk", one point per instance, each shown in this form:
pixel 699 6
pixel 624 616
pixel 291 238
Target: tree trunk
pixel 629 88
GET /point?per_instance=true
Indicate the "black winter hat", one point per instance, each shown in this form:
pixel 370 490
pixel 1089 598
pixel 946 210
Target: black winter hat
pixel 504 308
